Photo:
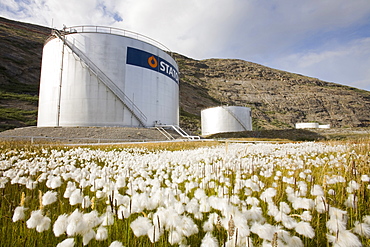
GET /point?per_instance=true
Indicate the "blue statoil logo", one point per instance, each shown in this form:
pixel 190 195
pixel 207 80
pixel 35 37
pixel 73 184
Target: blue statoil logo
pixel 150 61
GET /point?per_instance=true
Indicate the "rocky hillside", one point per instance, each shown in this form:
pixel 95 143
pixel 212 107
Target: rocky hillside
pixel 20 61
pixel 278 99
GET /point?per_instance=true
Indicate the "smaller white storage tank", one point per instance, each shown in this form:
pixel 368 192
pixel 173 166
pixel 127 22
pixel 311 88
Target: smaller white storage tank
pixel 306 125
pixel 226 119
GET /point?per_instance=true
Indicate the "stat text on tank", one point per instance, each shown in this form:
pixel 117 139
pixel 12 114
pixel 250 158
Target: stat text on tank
pixel 153 62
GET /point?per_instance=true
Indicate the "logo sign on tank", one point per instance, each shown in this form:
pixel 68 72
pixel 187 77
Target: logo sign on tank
pixel 150 61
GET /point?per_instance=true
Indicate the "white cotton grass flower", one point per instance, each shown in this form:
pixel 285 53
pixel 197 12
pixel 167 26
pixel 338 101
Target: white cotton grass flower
pixel 193 206
pixel 60 225
pixel 335 225
pixel 71 187
pixel 141 226
pixel 306 216
pixel 87 236
pixel 254 214
pixel 86 202
pixel 76 197
pixel 175 237
pixel 19 213
pixel 123 212
pixel 272 209
pixel 44 224
pixel 268 194
pixel 49 197
pixel 101 233
pixel 76 225
pixel 3 182
pixel 337 213
pixel 204 206
pixel 365 178
pixel 69 242
pixel 30 184
pixel 187 226
pixel 331 192
pixel 208 225
pixel 317 190
pixel 344 238
pixel 92 219
pixel 303 203
pixel 302 186
pixel 100 194
pixel 302 175
pixel 305 229
pixel 36 219
pixel 351 201
pixel 287 221
pixel 353 186
pixel 252 201
pixel 116 244
pixel 107 218
pixel 209 241
pixel 362 229
pixel 199 194
pixel 295 242
pixel 284 207
pixel 264 231
pixel 54 182
pixel 154 233
pixel 366 219
pixel 321 204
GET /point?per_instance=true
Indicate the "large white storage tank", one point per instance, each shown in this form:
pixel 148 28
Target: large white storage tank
pixel 225 119
pixel 100 76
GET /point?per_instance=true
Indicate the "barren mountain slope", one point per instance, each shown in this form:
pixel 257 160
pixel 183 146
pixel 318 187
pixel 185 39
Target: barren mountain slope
pixel 278 99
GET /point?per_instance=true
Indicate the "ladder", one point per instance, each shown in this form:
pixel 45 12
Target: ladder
pixel 130 105
pixel 180 131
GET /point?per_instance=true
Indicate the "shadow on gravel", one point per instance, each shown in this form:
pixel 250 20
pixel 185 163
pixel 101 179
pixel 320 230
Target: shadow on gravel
pixel 288 134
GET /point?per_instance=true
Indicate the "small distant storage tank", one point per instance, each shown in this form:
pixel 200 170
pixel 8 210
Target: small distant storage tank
pixel 226 119
pixel 306 125
pixel 101 76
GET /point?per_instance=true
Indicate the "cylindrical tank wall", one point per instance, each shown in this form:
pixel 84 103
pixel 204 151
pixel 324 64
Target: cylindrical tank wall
pixel 71 94
pixel 225 119
pixel 306 125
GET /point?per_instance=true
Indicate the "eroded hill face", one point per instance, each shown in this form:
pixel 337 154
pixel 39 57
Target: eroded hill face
pixel 278 99
pixel 20 66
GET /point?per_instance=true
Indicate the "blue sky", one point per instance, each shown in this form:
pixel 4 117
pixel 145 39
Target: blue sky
pixel 325 39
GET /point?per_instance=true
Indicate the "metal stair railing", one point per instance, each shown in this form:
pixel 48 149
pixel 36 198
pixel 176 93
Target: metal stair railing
pixel 236 118
pixel 165 133
pixel 180 131
pixel 139 115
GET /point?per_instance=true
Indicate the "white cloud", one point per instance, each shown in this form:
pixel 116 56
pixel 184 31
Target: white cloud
pixel 347 63
pixel 310 37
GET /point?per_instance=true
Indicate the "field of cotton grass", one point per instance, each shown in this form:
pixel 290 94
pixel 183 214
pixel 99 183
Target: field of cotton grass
pixel 224 194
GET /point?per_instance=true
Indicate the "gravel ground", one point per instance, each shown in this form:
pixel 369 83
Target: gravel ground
pixel 125 134
pixel 84 134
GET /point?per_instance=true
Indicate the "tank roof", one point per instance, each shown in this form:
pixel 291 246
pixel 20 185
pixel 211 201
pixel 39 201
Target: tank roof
pixel 110 30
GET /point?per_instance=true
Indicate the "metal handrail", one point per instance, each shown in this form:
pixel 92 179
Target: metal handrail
pixel 116 31
pixel 179 131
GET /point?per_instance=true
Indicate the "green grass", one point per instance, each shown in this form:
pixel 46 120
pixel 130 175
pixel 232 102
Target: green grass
pixel 26 116
pixel 17 234
pixel 17 96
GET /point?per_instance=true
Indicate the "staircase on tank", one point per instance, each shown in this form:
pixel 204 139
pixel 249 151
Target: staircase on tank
pixel 138 114
pixel 164 129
